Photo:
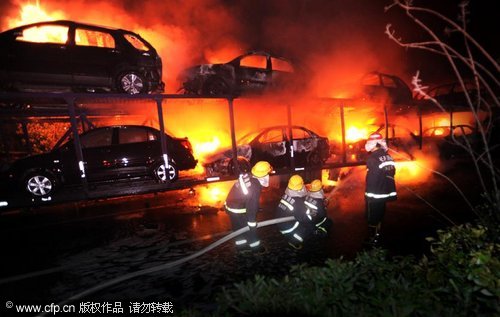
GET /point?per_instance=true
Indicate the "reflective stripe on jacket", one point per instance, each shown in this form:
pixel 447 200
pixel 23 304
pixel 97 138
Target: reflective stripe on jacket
pixel 380 184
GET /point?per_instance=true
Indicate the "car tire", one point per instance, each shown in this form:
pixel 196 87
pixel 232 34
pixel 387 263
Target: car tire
pixel 131 82
pixel 164 175
pixel 243 166
pixel 40 184
pixel 216 86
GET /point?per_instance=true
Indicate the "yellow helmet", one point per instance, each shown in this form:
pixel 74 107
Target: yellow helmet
pixel 315 186
pixel 261 169
pixel 295 182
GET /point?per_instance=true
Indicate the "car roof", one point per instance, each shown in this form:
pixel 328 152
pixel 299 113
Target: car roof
pixel 71 23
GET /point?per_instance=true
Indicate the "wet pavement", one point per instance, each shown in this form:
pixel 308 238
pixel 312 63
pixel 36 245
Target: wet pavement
pixel 53 253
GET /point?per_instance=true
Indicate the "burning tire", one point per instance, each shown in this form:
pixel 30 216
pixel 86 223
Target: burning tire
pixel 40 184
pixel 131 82
pixel 163 174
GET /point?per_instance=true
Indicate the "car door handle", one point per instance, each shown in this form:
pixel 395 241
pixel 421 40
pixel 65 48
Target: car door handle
pixel 63 47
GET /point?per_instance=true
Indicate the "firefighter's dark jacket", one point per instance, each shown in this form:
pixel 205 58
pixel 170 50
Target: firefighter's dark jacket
pixel 238 200
pixel 297 203
pixel 380 184
pixel 318 207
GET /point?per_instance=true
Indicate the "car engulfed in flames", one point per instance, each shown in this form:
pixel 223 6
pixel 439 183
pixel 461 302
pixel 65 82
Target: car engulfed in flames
pixel 271 144
pixel 252 72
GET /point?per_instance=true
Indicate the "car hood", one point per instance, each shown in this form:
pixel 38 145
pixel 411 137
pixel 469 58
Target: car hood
pixel 244 150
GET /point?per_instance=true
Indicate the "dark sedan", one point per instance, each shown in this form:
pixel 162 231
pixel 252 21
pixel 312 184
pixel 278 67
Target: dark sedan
pixel 273 145
pixel 67 55
pixel 109 153
pixel 254 71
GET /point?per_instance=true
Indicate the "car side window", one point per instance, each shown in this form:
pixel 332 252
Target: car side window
pixel 281 65
pixel 462 130
pixel 300 134
pixel 84 37
pixel 388 82
pixel 56 34
pixel 271 136
pixel 97 138
pixel 133 135
pixel 371 80
pixel 136 42
pixel 254 61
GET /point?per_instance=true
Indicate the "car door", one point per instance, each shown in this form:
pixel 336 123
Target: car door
pixel 303 145
pixel 99 154
pixel 253 73
pixel 271 146
pixel 94 57
pixel 136 150
pixel 38 55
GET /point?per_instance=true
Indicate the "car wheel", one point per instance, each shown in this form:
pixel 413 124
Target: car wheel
pixel 131 82
pixel 163 174
pixel 216 86
pixel 243 166
pixel 40 184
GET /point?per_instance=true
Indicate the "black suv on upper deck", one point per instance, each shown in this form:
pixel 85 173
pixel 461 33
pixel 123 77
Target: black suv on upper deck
pixel 66 55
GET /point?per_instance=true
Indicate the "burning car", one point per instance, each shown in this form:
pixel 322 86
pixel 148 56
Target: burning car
pixel 254 71
pixel 66 55
pixel 452 96
pixel 271 144
pixel 451 142
pixel 110 153
pixel 386 88
pixel 400 139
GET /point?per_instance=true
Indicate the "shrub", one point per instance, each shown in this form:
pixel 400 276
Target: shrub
pixel 461 277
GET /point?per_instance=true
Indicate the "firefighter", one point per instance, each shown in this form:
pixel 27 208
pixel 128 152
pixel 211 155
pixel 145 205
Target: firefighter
pixel 380 184
pixel 316 204
pixel 242 204
pixel 292 203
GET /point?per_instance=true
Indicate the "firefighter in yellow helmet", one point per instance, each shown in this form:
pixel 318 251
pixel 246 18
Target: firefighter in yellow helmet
pixel 292 203
pixel 242 204
pixel 316 204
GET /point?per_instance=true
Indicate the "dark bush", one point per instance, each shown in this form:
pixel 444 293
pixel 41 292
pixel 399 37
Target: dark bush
pixel 461 277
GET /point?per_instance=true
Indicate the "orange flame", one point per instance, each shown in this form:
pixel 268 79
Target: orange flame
pixel 32 13
pixel 213 194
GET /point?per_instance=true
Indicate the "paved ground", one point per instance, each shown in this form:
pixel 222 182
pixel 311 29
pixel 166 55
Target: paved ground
pixel 68 249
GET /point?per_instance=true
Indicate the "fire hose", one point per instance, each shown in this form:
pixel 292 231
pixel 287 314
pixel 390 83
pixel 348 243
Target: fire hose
pixel 168 265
